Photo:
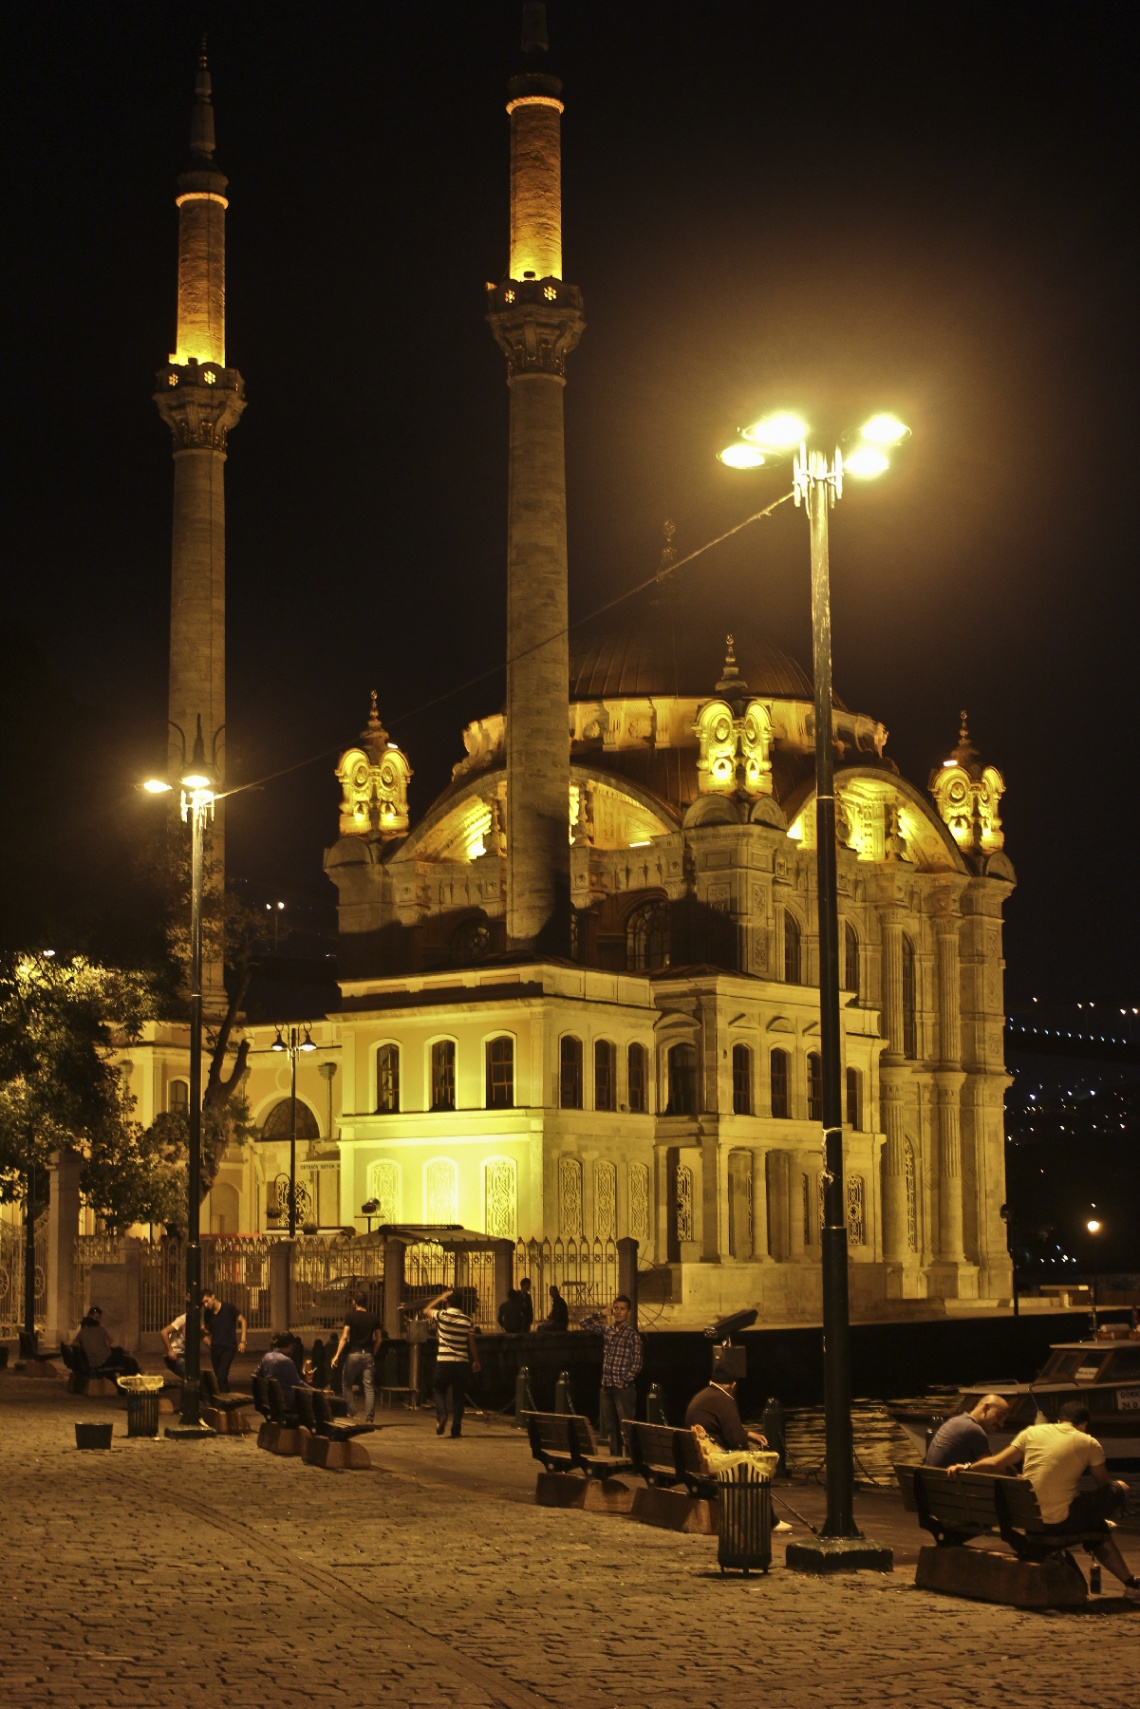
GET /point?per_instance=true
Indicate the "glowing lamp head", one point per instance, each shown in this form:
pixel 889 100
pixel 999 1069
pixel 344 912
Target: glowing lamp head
pixel 740 456
pixel 278 1042
pixel 197 779
pixel 157 786
pixel 885 430
pixel 866 462
pixel 1093 1225
pixel 307 1042
pixel 781 431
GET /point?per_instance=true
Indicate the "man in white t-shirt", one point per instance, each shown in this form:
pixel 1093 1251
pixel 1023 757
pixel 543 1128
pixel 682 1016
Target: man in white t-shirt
pixel 1054 1458
pixel 174 1340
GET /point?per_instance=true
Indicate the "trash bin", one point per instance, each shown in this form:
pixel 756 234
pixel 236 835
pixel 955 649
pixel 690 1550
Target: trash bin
pixel 142 1413
pixel 744 1518
pixel 93 1435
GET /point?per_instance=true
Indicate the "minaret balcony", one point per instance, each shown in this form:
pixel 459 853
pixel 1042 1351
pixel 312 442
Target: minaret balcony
pixel 536 323
pixel 199 402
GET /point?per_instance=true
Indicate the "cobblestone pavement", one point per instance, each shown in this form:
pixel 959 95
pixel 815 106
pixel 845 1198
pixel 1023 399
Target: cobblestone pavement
pixel 167 1573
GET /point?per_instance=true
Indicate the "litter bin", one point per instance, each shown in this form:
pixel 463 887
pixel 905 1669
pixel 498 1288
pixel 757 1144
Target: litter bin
pixel 142 1413
pixel 93 1435
pixel 744 1517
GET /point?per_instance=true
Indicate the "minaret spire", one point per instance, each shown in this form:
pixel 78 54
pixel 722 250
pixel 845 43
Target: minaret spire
pixel 200 399
pixel 537 320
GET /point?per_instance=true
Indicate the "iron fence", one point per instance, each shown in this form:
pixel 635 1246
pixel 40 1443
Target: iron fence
pixel 12 1277
pixel 585 1272
pixel 92 1249
pixel 327 1269
pixel 430 1267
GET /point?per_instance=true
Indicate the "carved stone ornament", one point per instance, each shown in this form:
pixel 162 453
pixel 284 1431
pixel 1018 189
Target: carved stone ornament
pixel 374 793
pixel 536 323
pixel 199 403
pixel 735 753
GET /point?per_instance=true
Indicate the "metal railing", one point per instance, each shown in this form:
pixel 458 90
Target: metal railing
pixel 12 1277
pixel 430 1267
pixel 585 1273
pixel 327 1269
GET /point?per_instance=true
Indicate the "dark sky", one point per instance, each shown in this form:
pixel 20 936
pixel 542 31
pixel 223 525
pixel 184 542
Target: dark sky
pixel 928 207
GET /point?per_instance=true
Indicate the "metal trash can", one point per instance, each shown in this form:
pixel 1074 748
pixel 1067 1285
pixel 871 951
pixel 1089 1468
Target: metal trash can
pixel 744 1518
pixel 142 1413
pixel 93 1435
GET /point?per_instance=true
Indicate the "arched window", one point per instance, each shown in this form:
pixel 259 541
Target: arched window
pixel 278 1123
pixel 647 937
pixel 856 1211
pixel 740 1204
pixel 500 1074
pixel 384 1187
pixel 570 1198
pixel 388 1080
pixel 909 1000
pixel 500 1197
pixel 178 1097
pixel 815 1086
pixel 792 949
pixel 570 1073
pixel 853 1098
pixel 605 1075
pixel 682 1068
pixel 639 1200
pixel 638 1069
pixel 441 1191
pixel 741 1080
pixel 683 1203
pixel 779 1072
pixel 605 1200
pixel 443 1074
pixel 851 959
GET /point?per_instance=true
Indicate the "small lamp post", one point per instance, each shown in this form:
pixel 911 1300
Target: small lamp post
pixel 1095 1228
pixel 293 1044
pixel 198 785
pixel 817 485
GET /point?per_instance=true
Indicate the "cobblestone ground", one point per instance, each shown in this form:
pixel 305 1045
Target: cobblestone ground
pixel 165 1573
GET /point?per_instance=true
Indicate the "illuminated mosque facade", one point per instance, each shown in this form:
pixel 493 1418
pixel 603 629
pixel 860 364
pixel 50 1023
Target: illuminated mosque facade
pixel 580 995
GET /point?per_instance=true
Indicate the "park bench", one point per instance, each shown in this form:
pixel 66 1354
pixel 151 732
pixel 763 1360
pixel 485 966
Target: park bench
pixel 81 1379
pixel 680 1492
pixel 282 1433
pixel 331 1443
pixel 1038 1571
pixel 224 1413
pixel 574 1473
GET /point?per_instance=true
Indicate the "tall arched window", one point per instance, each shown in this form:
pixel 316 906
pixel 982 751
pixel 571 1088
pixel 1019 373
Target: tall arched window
pixel 388 1080
pixel 815 1086
pixel 278 1123
pixel 178 1097
pixel 443 1074
pixel 793 958
pixel 851 958
pixel 741 1080
pixel 500 1197
pixel 384 1187
pixel 605 1075
pixel 570 1073
pixel 909 1000
pixel 778 1067
pixel 853 1098
pixel 682 1071
pixel 647 937
pixel 441 1191
pixel 500 1073
pixel 637 1064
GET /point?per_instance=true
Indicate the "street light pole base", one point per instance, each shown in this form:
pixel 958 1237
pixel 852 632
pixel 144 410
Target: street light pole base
pixel 188 1432
pixel 839 1555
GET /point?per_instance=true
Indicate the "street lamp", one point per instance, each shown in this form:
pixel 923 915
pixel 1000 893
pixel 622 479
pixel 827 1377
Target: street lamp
pixel 198 787
pixel 293 1045
pixel 1095 1227
pixel 817 484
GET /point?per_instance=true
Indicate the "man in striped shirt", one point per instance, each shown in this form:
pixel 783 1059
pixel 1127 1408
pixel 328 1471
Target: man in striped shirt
pixel 621 1362
pixel 455 1360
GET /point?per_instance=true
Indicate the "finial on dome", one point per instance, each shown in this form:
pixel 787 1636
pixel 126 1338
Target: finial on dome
pixel 202 114
pixel 965 754
pixel 374 736
pixel 731 681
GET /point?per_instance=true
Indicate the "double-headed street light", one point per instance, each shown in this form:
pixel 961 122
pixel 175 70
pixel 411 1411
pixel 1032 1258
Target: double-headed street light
pixel 293 1043
pixel 198 785
pixel 817 484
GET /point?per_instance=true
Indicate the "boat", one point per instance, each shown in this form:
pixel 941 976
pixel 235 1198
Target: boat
pixel 1104 1372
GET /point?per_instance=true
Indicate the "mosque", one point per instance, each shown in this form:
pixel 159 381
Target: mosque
pixel 580 996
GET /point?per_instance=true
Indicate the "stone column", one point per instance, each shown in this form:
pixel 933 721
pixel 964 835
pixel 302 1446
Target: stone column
pixel 948 1082
pixel 894 1076
pixel 62 1314
pixel 795 1207
pixel 778 1178
pixel 394 1287
pixel 760 1253
pixel 281 1286
pixel 504 1272
pixel 627 1269
pixel 537 320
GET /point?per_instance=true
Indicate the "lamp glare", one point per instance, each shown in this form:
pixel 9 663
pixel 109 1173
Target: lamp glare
pixel 157 786
pixel 885 430
pixel 866 462
pixel 1093 1225
pixel 740 456
pixel 781 431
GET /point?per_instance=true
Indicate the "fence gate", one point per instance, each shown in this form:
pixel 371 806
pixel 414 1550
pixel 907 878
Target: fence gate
pixel 12 1277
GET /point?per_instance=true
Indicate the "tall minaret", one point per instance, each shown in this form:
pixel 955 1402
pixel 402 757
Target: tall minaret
pixel 536 319
pixel 200 399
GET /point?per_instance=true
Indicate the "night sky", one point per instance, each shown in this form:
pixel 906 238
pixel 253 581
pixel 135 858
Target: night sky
pixel 924 207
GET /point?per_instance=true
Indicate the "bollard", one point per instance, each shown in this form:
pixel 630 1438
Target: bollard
pixel 775 1429
pixel 654 1411
pixel 524 1400
pixel 563 1399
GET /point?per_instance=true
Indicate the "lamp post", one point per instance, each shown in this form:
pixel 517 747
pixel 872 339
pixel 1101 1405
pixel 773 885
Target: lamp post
pixel 1094 1226
pixel 817 485
pixel 293 1045
pixel 197 802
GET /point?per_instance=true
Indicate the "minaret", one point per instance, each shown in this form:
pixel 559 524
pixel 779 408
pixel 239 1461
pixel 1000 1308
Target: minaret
pixel 536 319
pixel 200 399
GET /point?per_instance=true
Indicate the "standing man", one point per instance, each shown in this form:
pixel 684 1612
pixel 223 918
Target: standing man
pixel 224 1325
pixel 527 1303
pixel 174 1340
pixel 454 1361
pixel 965 1437
pixel 621 1362
pixel 360 1336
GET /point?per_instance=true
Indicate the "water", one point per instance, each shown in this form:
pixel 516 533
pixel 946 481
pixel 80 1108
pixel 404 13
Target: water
pixel 880 1443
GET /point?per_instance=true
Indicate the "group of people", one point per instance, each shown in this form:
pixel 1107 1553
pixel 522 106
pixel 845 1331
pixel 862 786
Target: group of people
pixel 223 1327
pixel 1054 1458
pixel 516 1314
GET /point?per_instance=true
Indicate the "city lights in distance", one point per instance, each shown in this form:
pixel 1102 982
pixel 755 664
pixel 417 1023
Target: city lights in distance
pixel 866 461
pixel 740 456
pixel 885 430
pixel 781 431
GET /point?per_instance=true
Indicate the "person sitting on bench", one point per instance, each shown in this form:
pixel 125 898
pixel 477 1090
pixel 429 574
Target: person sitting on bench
pixel 965 1437
pixel 558 1317
pixel 278 1362
pixel 92 1340
pixel 1053 1457
pixel 714 1414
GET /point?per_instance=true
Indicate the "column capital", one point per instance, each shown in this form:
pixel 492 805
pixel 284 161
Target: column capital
pixel 199 402
pixel 536 323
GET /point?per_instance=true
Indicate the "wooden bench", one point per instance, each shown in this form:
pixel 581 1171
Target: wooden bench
pixel 282 1433
pixel 680 1492
pixel 81 1379
pixel 330 1443
pixel 574 1473
pixel 1038 1572
pixel 224 1413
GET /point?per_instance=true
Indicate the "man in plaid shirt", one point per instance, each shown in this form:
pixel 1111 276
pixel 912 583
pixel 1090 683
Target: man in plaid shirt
pixel 621 1363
